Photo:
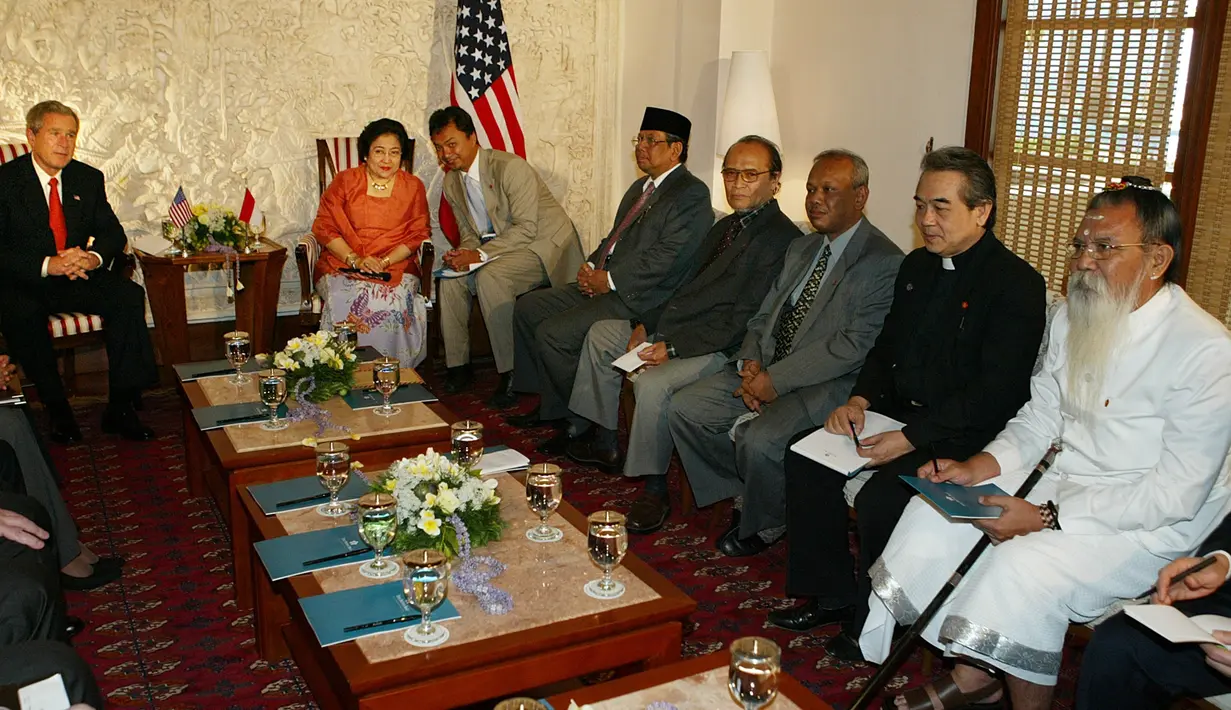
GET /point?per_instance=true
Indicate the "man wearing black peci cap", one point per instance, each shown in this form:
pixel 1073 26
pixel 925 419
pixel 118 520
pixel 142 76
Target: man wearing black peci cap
pixel 649 253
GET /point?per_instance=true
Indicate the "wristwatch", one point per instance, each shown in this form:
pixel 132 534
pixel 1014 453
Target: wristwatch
pixel 634 323
pixel 351 259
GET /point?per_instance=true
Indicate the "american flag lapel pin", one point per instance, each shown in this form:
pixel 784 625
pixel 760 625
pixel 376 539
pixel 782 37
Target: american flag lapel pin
pixel 77 198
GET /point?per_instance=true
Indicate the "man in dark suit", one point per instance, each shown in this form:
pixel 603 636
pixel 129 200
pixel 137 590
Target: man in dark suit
pixel 803 348
pixel 952 362
pixel 60 238
pixel 649 253
pixel 1128 667
pixel 693 334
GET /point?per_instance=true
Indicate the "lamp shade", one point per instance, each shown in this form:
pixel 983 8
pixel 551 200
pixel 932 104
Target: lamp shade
pixel 749 105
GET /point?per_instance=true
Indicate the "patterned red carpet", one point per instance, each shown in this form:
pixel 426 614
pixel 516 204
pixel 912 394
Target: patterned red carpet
pixel 168 635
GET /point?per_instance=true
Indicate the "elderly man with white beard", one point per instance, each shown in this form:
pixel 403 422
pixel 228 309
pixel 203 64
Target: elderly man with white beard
pixel 1137 384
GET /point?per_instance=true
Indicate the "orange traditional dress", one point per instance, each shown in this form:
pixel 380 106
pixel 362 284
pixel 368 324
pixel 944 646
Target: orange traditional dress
pixel 390 316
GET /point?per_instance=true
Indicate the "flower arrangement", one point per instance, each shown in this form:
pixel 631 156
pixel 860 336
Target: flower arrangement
pixel 318 366
pixel 433 494
pixel 216 228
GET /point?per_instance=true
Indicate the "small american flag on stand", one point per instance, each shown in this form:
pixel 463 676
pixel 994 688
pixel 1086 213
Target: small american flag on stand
pixel 483 82
pixel 180 212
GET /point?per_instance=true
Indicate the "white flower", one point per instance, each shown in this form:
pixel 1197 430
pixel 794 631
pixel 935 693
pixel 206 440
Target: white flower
pixel 448 501
pixel 429 524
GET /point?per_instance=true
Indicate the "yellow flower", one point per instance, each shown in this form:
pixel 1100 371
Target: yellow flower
pixel 391 485
pixel 356 464
pixel 430 501
pixel 354 436
pixel 449 502
pixel 431 526
pixel 309 441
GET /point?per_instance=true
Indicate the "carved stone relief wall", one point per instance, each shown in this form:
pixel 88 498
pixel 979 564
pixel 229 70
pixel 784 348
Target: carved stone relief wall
pixel 221 94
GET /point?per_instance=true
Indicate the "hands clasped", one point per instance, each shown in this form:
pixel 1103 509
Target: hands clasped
pixel 73 262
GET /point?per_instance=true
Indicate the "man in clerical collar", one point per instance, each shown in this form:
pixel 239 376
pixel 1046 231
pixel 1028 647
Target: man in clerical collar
pixel 1136 382
pixel 952 364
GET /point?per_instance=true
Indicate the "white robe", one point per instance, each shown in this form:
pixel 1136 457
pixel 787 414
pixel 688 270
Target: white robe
pixel 1140 484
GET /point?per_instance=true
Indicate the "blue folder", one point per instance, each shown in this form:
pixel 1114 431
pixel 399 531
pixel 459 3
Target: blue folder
pixel 223 415
pixel 329 614
pixel 957 502
pixel 189 371
pixel 369 398
pixel 269 495
pixel 285 556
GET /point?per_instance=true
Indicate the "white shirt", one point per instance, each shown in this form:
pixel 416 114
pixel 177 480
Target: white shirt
pixel 658 181
pixel 1151 463
pixel 44 179
pixel 478 212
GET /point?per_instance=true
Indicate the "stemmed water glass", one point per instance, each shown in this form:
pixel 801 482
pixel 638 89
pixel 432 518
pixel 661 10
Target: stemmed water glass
pixel 426 585
pixel 378 525
pixel 607 542
pixel 387 376
pixel 239 349
pixel 347 333
pixel 173 234
pixel 333 471
pixel 543 493
pixel 272 385
pixel 467 439
pixel 752 676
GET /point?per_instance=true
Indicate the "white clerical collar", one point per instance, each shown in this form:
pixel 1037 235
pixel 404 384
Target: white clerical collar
pixel 947 264
pixel 658 181
pixel 473 171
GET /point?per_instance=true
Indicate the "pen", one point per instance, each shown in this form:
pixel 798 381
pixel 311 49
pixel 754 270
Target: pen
pixel 305 499
pixel 214 373
pixel 935 463
pixel 340 556
pixel 1181 576
pixel 855 436
pixel 242 420
pixel 386 622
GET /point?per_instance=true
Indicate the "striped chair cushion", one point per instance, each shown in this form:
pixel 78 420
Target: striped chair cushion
pixel 313 249
pixel 317 304
pixel 344 152
pixel 62 324
pixel 9 151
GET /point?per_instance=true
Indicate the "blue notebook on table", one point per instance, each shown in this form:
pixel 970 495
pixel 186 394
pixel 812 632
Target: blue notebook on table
pixel 222 415
pixel 189 371
pixel 287 556
pixel 406 394
pixel 330 614
pixel 285 496
pixel 957 502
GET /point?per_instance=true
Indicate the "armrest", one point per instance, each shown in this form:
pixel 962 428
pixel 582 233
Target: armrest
pixel 427 260
pixel 305 252
pixel 125 263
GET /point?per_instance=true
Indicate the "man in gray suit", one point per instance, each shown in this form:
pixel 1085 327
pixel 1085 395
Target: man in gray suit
pixel 504 211
pixel 650 252
pixel 693 334
pixel 799 360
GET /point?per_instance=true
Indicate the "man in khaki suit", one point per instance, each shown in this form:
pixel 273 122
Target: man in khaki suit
pixel 508 217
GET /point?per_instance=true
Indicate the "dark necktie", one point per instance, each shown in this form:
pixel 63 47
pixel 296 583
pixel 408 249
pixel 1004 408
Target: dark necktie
pixel 792 315
pixel 628 219
pixel 728 236
pixel 56 210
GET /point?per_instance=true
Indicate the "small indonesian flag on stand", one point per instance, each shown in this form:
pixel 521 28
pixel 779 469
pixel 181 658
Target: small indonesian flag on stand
pixel 250 213
pixel 180 212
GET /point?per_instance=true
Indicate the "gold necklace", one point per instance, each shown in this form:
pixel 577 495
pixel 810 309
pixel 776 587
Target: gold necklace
pixel 377 185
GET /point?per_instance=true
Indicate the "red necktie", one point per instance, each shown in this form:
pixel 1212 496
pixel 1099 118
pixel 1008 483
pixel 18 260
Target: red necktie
pixel 628 219
pixel 58 226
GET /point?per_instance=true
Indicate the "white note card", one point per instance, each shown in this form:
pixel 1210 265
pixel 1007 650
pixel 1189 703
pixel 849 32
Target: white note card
pixel 837 451
pixel 47 694
pixel 629 360
pixel 1173 625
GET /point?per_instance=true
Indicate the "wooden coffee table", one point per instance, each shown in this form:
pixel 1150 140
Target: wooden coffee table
pixel 697 683
pixel 554 632
pixel 217 469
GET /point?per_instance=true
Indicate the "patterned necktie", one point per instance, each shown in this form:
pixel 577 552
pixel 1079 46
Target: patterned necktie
pixel 56 210
pixel 729 236
pixel 792 315
pixel 628 219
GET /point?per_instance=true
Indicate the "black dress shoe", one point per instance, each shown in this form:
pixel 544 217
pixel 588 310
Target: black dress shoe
pixel 504 397
pixel 730 544
pixel 585 451
pixel 100 576
pixel 116 562
pixel 558 444
pixel 458 379
pixel 73 625
pixel 64 429
pixel 125 423
pixel 844 647
pixel 529 420
pixel 647 514
pixel 809 615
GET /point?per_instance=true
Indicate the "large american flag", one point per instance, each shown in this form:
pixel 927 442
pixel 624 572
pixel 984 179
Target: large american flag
pixel 180 212
pixel 483 83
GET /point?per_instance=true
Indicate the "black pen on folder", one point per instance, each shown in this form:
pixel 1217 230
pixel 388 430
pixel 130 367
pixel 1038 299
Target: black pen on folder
pixel 377 624
pixel 305 499
pixel 855 436
pixel 1181 576
pixel 340 556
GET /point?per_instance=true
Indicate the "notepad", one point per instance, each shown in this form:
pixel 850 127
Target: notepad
pixel 499 459
pixel 329 614
pixel 406 394
pixel 957 502
pixel 838 451
pixel 269 495
pixel 630 361
pixel 285 556
pixel 1173 625
pixel 447 273
pixel 224 415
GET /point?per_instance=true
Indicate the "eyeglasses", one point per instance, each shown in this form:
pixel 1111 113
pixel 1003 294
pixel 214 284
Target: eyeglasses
pixel 648 142
pixel 1098 250
pixel 748 176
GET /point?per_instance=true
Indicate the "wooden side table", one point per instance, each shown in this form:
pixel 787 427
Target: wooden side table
pixel 256 306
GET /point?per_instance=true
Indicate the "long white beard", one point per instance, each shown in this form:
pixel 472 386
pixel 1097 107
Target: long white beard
pixel 1098 321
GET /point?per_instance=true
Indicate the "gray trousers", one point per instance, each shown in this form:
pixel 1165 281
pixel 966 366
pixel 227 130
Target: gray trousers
pixel 39 480
pixel 596 394
pixel 549 328
pixel 700 417
pixel 497 285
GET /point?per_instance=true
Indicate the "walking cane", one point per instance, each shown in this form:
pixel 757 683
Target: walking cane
pixel 897 654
